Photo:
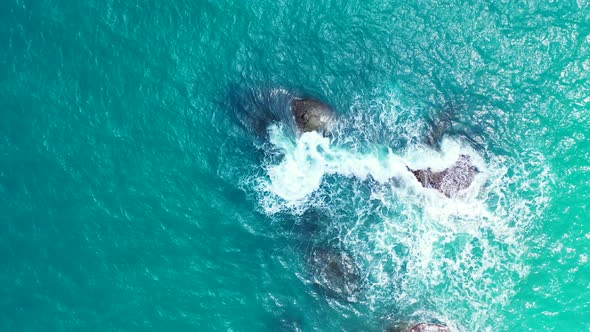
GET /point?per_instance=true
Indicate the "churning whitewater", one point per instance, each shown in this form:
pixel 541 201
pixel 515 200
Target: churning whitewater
pixel 424 256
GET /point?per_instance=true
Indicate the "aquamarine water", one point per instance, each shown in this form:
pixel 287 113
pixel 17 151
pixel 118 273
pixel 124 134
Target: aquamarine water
pixel 134 199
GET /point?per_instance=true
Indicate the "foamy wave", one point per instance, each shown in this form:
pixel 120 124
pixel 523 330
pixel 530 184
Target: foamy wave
pixel 463 258
pixel 456 259
pixel 306 161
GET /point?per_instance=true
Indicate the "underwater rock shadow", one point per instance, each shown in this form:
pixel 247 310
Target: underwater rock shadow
pixel 284 320
pixel 462 117
pixel 335 272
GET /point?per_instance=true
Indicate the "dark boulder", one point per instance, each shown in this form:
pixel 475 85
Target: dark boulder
pixel 311 114
pixel 255 107
pixel 336 272
pixel 451 180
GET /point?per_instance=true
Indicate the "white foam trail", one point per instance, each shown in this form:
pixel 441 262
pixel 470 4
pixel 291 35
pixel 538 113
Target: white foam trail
pixel 310 158
pixel 457 259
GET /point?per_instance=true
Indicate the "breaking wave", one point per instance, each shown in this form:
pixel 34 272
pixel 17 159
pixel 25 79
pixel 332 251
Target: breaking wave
pixel 425 256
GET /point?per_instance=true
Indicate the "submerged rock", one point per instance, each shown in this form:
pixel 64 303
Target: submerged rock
pixel 422 327
pixel 311 114
pixel 427 327
pixel 336 272
pixel 257 107
pixel 451 180
pixel 287 324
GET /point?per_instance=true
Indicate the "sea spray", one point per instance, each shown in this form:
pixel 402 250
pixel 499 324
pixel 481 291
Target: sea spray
pixel 456 260
pixel 306 161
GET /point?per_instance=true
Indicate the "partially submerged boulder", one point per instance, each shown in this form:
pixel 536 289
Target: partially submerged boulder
pixel 336 272
pixel 311 114
pixel 257 107
pixel 451 180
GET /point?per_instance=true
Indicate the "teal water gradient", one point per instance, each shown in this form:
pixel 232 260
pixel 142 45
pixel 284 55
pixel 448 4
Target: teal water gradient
pixel 124 179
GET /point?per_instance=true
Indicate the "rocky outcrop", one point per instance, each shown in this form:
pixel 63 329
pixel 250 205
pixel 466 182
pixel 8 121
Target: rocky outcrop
pixel 311 114
pixel 255 107
pixel 451 180
pixel 336 272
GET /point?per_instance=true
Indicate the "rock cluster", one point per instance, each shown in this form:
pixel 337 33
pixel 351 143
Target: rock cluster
pixel 335 271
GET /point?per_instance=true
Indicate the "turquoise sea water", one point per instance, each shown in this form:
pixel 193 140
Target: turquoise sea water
pixel 133 197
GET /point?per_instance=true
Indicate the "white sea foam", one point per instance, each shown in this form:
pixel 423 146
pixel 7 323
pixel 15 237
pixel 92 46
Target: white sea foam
pixel 456 259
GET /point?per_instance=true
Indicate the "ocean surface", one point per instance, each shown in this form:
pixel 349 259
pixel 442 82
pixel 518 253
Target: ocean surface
pixel 136 194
